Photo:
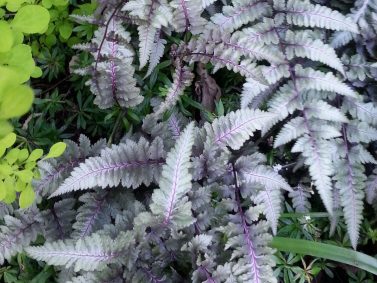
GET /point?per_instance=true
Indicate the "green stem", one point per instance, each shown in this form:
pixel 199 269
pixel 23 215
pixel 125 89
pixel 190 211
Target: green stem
pixel 116 125
pixel 310 214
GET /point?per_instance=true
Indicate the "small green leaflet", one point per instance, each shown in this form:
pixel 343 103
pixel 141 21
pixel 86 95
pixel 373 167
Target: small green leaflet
pixel 56 150
pixel 26 197
pixel 35 155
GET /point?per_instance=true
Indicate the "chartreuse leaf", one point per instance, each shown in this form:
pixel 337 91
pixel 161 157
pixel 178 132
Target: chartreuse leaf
pixel 8 140
pixel 327 251
pixel 5 128
pixel 47 4
pixel 6 41
pixel 56 150
pixel 23 155
pixel 19 186
pixel 16 101
pixel 2 150
pixel 3 190
pixel 11 193
pixel 31 19
pixel 27 197
pixel 5 169
pixel 30 166
pixel 60 2
pixel 8 77
pixel 25 175
pixel 12 155
pixel 14 5
pixel 35 155
pixel 37 72
pixel 18 37
pixel 20 60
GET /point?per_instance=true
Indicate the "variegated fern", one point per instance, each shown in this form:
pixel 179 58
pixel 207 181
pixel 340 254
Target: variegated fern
pixel 200 196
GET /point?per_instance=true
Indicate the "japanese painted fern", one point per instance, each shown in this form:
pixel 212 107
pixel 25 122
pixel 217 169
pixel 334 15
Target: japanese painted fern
pixel 181 199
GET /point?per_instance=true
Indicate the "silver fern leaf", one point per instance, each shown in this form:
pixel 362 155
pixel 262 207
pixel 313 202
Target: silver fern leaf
pixel 124 163
pixel 170 201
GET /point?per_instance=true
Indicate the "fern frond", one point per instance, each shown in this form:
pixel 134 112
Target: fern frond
pixel 114 84
pixel 235 128
pixel 83 19
pixel 242 12
pixel 302 13
pixel 87 254
pixel 92 215
pixel 222 273
pixel 157 52
pixel 291 131
pixel 147 34
pixel 182 78
pixel 200 196
pixel 169 201
pixel 359 154
pixel 308 78
pixel 317 155
pixel 54 171
pixel 176 123
pixel 350 181
pixel 240 43
pixel 371 189
pixel 251 256
pixel 366 112
pixel 125 163
pixel 18 232
pixel 361 132
pixel 216 192
pixel 269 195
pixel 5 209
pixel 275 73
pixel 300 199
pixel 254 93
pixel 341 38
pixel 284 102
pixel 362 14
pixel 264 32
pixel 58 220
pixel 155 14
pixel 357 68
pixel 82 279
pixel 65 275
pixel 206 3
pixel 261 174
pixel 187 16
pixel 200 51
pixel 299 44
pixel 112 72
pixel 324 111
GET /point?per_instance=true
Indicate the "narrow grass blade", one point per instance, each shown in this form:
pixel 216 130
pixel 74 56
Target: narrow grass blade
pixel 327 251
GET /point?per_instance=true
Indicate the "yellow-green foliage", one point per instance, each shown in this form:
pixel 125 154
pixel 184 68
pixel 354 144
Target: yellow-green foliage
pixel 18 169
pixel 16 61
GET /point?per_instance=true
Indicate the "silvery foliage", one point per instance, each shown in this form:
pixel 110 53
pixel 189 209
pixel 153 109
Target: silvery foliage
pixel 209 189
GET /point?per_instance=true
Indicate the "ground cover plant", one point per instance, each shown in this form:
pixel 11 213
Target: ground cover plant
pixel 189 140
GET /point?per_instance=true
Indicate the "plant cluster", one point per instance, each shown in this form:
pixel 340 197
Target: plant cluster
pixel 189 193
pixel 18 167
pixel 16 61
